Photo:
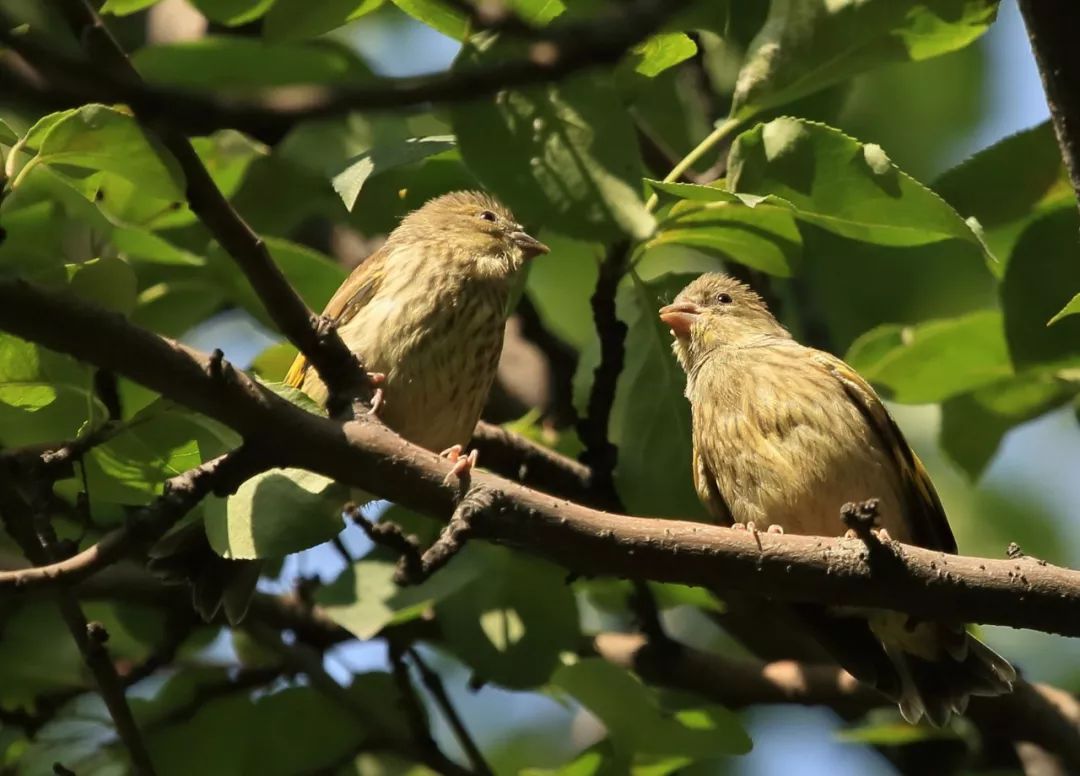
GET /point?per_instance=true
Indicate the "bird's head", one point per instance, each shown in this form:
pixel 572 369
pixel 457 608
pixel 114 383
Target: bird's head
pixel 716 311
pixel 477 230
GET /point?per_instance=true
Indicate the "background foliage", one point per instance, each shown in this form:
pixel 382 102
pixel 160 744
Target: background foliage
pixel 819 132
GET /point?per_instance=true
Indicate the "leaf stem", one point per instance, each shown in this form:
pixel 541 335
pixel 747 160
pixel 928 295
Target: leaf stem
pixel 722 131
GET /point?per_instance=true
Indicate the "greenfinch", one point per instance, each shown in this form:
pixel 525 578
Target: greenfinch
pixel 783 436
pixel 425 313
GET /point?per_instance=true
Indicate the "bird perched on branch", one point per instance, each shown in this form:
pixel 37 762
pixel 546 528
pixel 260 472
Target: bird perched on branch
pixel 784 436
pixel 425 314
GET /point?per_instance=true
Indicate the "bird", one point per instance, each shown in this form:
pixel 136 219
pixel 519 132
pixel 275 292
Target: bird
pixel 785 435
pixel 425 314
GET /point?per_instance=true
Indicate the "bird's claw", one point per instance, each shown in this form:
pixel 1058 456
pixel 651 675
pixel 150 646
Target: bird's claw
pixel 377 379
pixel 775 529
pixel 463 464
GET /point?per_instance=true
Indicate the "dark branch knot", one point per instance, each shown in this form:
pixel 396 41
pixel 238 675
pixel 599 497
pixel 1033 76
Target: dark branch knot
pixel 861 517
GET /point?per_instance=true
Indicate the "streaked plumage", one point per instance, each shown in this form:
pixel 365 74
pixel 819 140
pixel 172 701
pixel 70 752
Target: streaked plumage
pixel 785 435
pixel 427 310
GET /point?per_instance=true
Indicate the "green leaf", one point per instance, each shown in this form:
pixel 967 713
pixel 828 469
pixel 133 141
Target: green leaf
pixel 296 19
pixel 438 15
pixel 1042 275
pixel 658 53
pixel 44 396
pixel 560 286
pixel 933 361
pixel 511 622
pixel 1072 308
pixel 143 245
pixel 37 655
pixel 173 307
pixel 351 179
pixel 8 136
pixel 807 45
pixel 1031 162
pixel 126 7
pixel 537 12
pixel 839 184
pixel 99 138
pixel 275 513
pixel 650 418
pixel 973 424
pixel 314 276
pixel 160 441
pixel 364 599
pixel 108 283
pixel 233 13
pixel 763 236
pixel 243 63
pixel 320 736
pixel 635 721
pixel 564 156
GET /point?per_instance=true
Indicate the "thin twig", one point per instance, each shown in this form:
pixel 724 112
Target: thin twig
pixel 34 534
pixel 570 49
pixel 414 711
pixel 433 682
pixel 315 338
pixel 220 475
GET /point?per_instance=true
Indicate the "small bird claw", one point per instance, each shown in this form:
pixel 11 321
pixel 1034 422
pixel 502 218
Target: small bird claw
pixel 463 464
pixel 775 529
pixel 377 379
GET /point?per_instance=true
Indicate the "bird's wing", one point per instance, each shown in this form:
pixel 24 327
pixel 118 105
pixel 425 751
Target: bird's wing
pixel 708 493
pixel 929 526
pixel 357 290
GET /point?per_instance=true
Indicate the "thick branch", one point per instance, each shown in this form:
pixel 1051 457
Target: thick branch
pixel 567 50
pixel 1035 713
pixel 364 453
pixel 1052 27
pixel 320 343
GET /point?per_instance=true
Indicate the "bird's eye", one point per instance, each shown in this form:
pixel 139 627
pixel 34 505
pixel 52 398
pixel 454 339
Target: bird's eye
pixel 487 215
pixel 723 298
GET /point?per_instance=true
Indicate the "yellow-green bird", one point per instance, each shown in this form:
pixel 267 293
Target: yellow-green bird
pixel 783 436
pixel 426 314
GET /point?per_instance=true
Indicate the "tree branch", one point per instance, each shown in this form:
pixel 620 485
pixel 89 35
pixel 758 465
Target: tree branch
pixel 221 475
pixel 557 54
pixel 315 338
pixel 433 682
pixel 1035 713
pixel 366 454
pixel 34 534
pixel 1052 26
pixel 600 454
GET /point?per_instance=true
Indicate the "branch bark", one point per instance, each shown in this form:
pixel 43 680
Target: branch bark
pixel 314 337
pixel 1052 26
pixel 363 453
pixel 563 51
pixel 1034 713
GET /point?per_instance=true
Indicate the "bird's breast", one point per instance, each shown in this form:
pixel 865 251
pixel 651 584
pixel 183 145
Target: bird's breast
pixel 439 352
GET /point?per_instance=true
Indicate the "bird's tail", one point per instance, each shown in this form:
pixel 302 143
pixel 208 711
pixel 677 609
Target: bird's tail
pixel 940 667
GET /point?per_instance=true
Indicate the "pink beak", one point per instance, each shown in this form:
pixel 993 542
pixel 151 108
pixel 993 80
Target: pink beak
pixel 680 316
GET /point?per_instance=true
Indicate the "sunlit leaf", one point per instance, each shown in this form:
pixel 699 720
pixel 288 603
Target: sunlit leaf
pixel 564 156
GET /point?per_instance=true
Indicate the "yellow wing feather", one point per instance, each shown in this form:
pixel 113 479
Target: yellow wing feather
pixel 357 290
pixel 929 526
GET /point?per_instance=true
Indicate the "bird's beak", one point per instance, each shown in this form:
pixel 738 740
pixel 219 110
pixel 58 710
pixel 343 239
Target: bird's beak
pixel 680 316
pixel 528 244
